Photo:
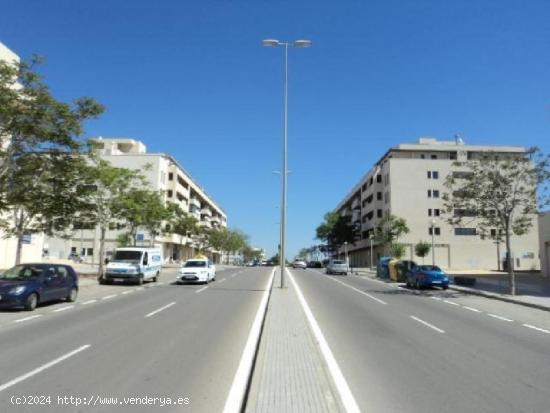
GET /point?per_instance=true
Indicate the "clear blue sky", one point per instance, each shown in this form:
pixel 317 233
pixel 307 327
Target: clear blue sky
pixel 189 78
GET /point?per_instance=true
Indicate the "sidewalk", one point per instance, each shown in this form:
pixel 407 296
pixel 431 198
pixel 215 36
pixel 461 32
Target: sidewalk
pixel 532 290
pixel 289 374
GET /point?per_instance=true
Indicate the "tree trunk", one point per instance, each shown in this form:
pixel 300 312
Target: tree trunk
pixel 101 252
pixel 19 249
pixel 509 261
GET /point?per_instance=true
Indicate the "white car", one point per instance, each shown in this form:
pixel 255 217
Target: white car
pixel 197 270
pixel 299 264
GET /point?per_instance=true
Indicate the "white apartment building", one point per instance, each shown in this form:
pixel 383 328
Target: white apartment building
pixel 408 182
pixel 32 243
pixel 544 240
pixel 164 174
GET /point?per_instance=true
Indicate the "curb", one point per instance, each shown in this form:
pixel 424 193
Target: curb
pixel 498 297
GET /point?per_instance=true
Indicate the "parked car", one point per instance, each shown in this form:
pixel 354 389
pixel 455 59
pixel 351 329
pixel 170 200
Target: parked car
pixel 133 264
pixel 315 264
pixel 299 264
pixel 427 276
pixel 28 285
pixel 337 267
pixel 73 256
pixel 200 270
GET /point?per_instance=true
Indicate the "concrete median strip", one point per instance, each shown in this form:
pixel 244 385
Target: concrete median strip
pixel 43 367
pixel 237 393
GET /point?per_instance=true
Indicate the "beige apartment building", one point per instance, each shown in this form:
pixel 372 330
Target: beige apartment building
pixel 408 182
pixel 165 174
pixel 544 242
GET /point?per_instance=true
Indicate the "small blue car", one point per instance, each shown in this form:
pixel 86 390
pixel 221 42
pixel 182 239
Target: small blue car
pixel 27 285
pixel 421 276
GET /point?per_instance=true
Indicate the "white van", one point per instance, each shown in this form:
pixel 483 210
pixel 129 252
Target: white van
pixel 133 264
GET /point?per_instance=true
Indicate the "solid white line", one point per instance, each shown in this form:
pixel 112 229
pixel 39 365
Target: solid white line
pixel 542 330
pixel 339 380
pixel 89 302
pixel 42 368
pixel 32 317
pixel 202 289
pixel 475 310
pixel 428 324
pixel 451 302
pixel 128 291
pixel 358 290
pixel 158 310
pixel 499 317
pixel 235 398
pixel 109 296
pixel 63 309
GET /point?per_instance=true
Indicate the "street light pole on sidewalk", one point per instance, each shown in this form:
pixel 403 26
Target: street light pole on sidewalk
pixel 297 44
pixel 433 250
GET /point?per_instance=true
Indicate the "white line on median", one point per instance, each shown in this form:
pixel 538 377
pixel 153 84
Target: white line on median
pixel 451 302
pixel 235 398
pixel 42 368
pixel 358 290
pixel 128 291
pixel 109 296
pixel 475 310
pixel 339 380
pixel 436 298
pixel 428 324
pixel 499 317
pixel 201 289
pixel 542 330
pixel 160 309
pixel 32 317
pixel 89 302
pixel 63 309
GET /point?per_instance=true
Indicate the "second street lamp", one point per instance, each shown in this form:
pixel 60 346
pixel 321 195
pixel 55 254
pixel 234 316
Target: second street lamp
pixel 286 45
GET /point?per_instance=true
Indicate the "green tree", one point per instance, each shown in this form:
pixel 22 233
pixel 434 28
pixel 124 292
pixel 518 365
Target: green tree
pixel 181 223
pixel 422 249
pixel 397 250
pixel 335 230
pixel 497 194
pixel 155 213
pixel 389 229
pixel 40 138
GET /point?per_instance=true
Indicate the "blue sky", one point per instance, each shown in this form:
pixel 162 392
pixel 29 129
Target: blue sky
pixel 189 78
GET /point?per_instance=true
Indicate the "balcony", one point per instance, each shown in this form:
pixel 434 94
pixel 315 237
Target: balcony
pixel 206 211
pixel 205 224
pixel 215 220
pixel 356 203
pixel 195 202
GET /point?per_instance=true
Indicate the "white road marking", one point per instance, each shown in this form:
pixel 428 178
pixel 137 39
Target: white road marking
pixel 428 324
pixel 32 317
pixel 237 393
pixel 158 310
pixel 499 317
pixel 475 310
pixel 542 330
pixel 43 367
pixel 89 302
pixel 139 289
pixel 451 302
pixel 338 377
pixel 63 309
pixel 436 298
pixel 358 290
pixel 128 291
pixel 202 289
pixel 109 296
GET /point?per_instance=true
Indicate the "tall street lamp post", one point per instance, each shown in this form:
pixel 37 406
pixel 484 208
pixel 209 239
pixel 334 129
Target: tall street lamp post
pixel 286 45
pixel 371 237
pixel 433 250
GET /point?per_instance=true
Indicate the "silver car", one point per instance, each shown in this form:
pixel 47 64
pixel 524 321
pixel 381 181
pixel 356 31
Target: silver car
pixel 337 267
pixel 299 264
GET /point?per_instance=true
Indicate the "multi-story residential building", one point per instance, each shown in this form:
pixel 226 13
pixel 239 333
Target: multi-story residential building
pixel 544 242
pixel 163 173
pixel 32 243
pixel 408 182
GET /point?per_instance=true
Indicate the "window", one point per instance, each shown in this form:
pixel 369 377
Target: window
pixel 430 212
pixel 435 175
pixel 436 193
pixel 429 193
pixel 379 196
pixel 433 156
pixel 465 231
pixel 429 174
pixel 379 178
pixel 170 176
pixel 379 213
pixel 90 252
pixel 436 212
pixel 62 272
pixel 422 156
pixel 170 193
pixel 493 233
pixel 452 155
pixel 436 231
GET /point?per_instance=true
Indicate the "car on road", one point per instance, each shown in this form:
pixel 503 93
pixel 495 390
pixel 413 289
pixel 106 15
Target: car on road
pixel 337 267
pixel 27 285
pixel 421 276
pixel 315 264
pixel 196 270
pixel 133 264
pixel 299 264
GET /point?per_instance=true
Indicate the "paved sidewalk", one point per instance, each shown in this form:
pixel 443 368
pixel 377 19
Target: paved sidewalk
pixel 290 373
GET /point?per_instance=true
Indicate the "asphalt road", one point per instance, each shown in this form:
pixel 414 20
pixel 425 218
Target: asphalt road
pixel 431 351
pixel 167 341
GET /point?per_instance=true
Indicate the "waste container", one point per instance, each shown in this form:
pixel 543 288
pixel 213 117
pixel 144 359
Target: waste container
pixel 382 267
pixel 403 268
pixel 392 266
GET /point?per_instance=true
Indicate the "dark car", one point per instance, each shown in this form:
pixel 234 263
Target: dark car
pixel 315 264
pixel 427 276
pixel 27 285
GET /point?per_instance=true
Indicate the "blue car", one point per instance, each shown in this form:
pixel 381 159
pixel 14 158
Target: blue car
pixel 421 276
pixel 27 285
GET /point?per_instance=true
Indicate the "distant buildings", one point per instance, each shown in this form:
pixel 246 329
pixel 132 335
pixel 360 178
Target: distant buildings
pixel 164 174
pixel 407 182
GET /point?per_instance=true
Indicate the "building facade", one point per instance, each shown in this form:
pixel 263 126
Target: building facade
pixel 544 242
pixel 163 173
pixel 408 182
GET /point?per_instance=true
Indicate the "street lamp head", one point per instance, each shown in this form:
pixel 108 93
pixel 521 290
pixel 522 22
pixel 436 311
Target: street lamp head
pixel 434 222
pixel 302 43
pixel 270 43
